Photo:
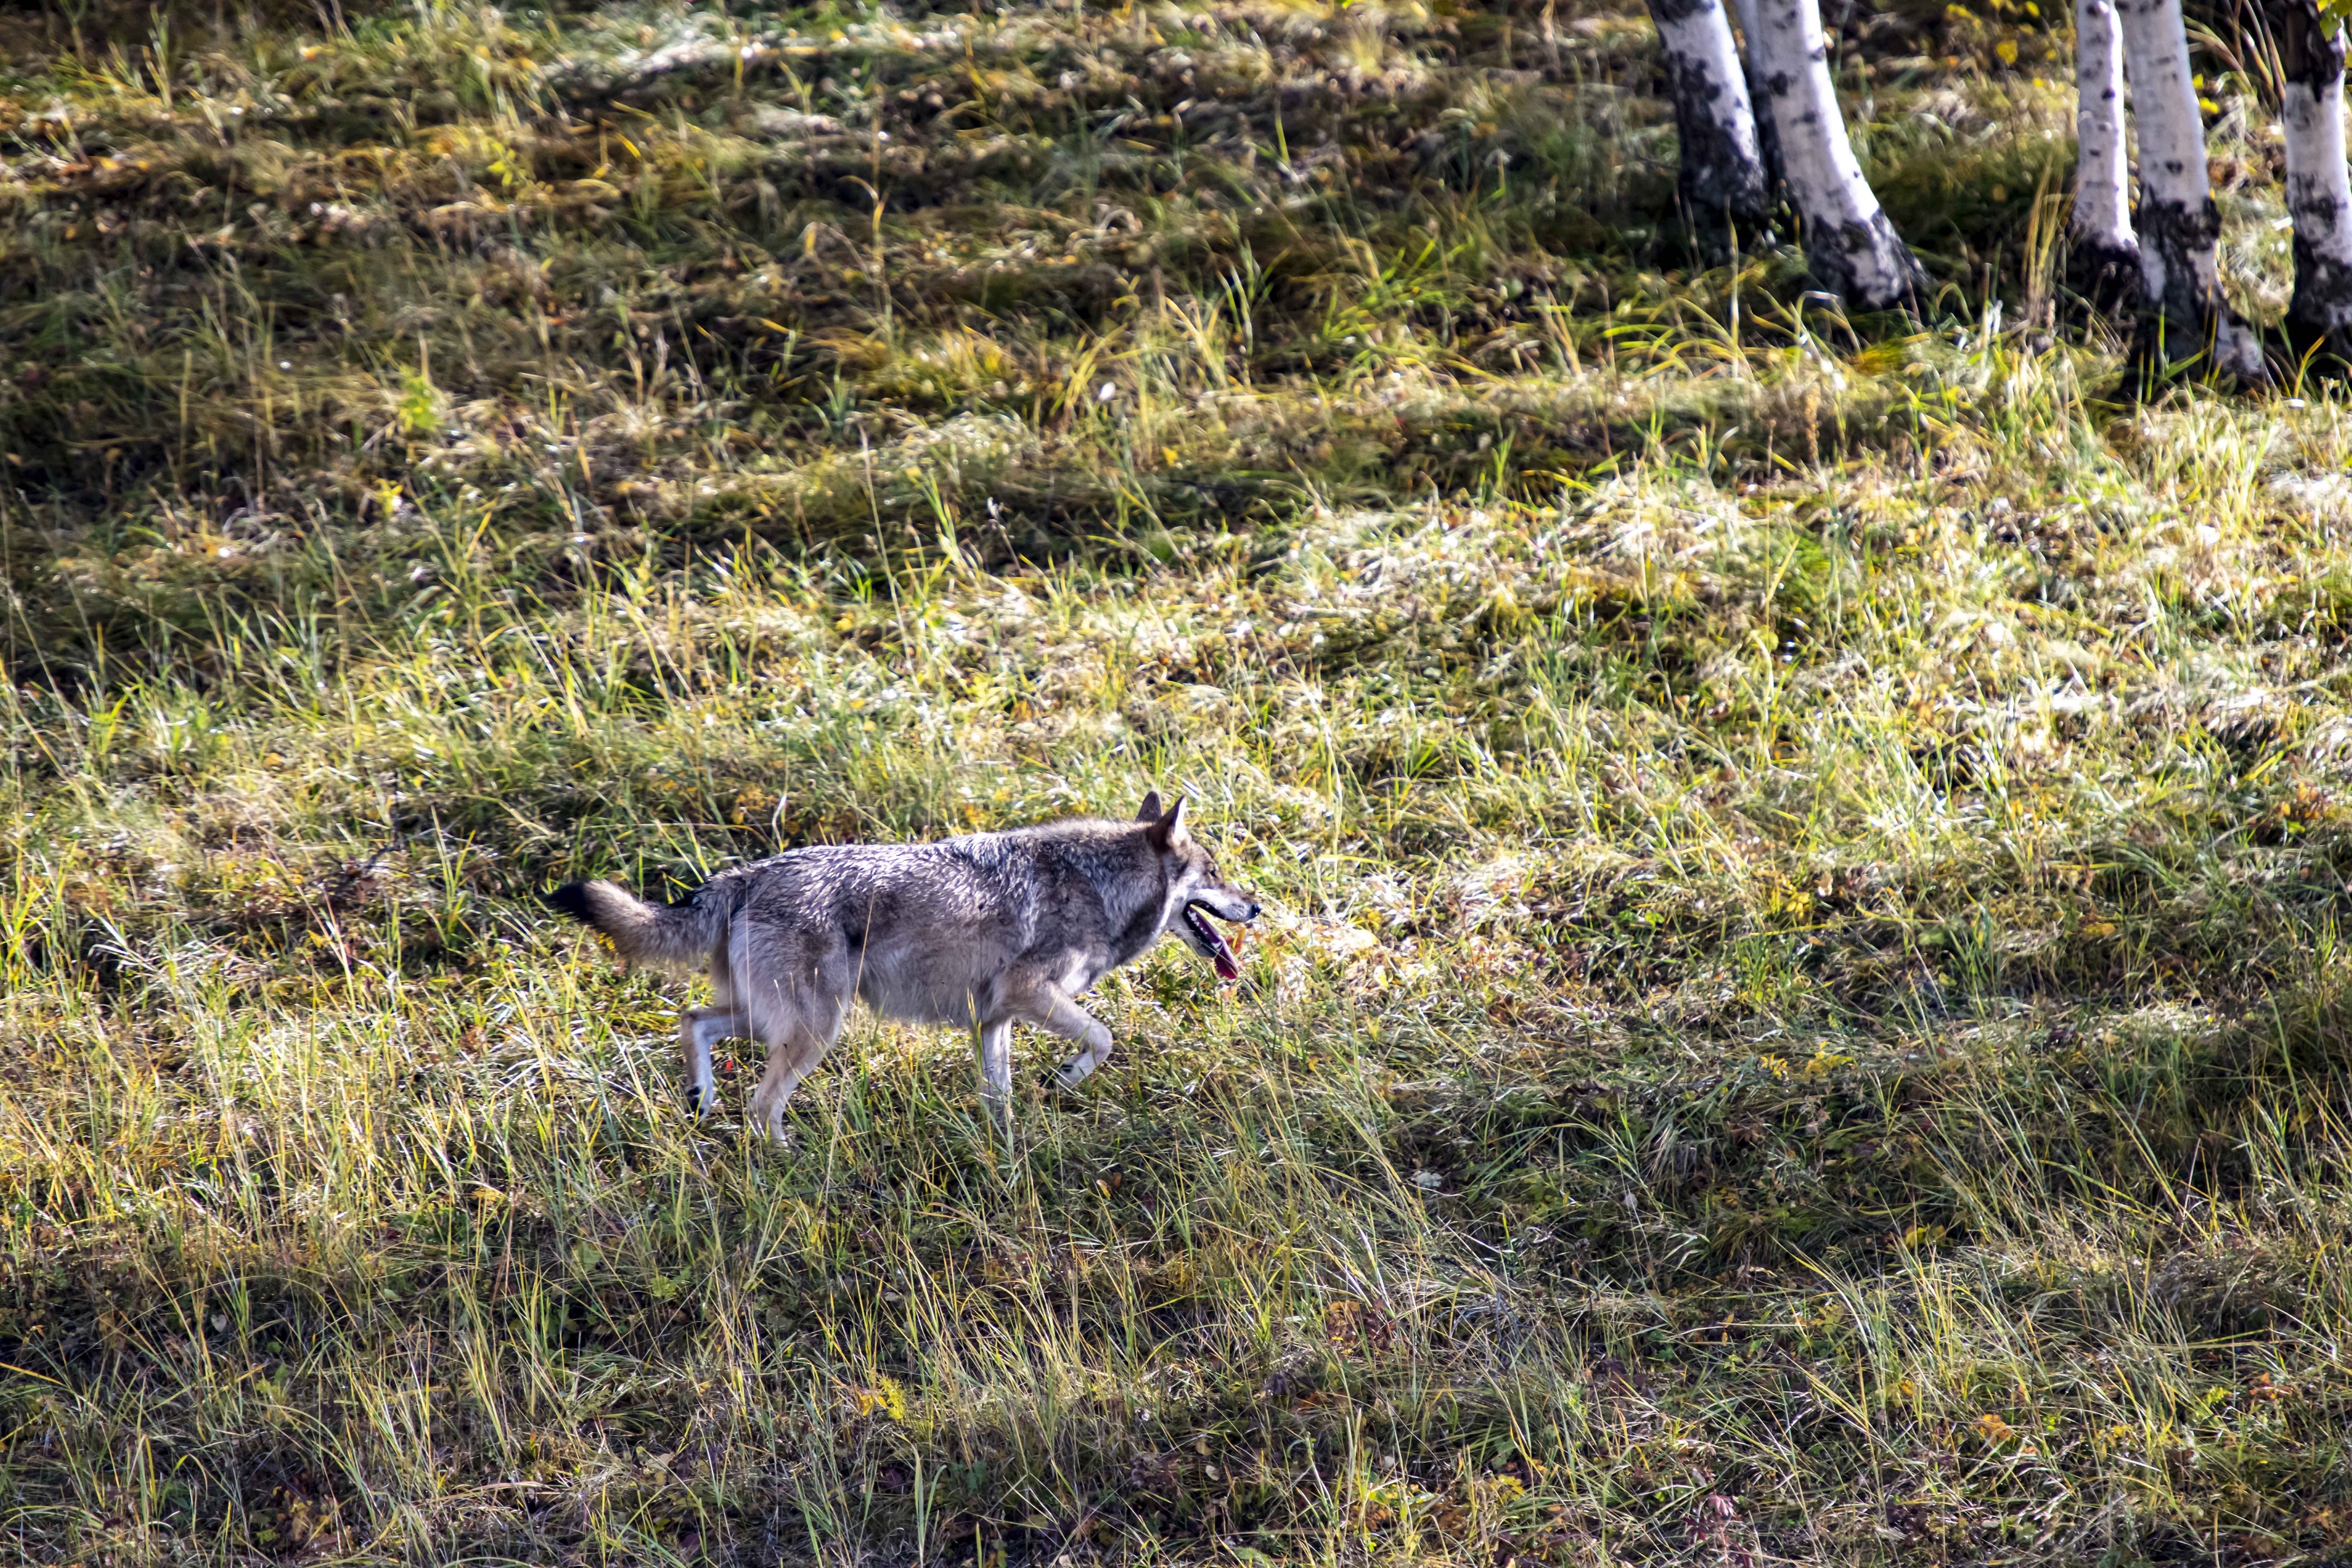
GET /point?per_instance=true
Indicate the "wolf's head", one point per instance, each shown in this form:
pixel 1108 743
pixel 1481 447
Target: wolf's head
pixel 1196 887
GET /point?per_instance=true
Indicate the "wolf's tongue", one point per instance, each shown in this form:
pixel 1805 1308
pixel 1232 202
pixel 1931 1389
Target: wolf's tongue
pixel 1221 953
pixel 1228 967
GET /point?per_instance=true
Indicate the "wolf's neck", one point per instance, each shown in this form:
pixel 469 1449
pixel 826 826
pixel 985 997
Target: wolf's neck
pixel 1138 909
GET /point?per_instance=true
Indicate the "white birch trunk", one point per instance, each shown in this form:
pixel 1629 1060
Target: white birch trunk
pixel 2105 251
pixel 2179 226
pixel 2319 191
pixel 1722 186
pixel 1768 139
pixel 1853 252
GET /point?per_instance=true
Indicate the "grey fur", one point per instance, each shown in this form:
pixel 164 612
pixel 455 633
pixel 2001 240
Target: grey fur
pixel 976 932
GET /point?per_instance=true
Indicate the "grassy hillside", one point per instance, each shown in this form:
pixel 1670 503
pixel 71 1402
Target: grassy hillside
pixel 1802 1015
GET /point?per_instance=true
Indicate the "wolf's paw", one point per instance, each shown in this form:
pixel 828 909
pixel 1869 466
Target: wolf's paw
pixel 1074 1072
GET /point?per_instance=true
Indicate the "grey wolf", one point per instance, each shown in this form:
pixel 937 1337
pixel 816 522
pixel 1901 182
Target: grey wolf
pixel 979 932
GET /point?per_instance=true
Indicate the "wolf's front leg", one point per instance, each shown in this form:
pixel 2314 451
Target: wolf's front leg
pixel 996 1071
pixel 1080 1067
pixel 1049 1006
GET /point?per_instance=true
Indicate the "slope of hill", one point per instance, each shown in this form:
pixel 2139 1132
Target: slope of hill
pixel 1802 1015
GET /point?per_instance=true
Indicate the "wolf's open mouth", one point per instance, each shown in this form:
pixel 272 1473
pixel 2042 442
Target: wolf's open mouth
pixel 1219 953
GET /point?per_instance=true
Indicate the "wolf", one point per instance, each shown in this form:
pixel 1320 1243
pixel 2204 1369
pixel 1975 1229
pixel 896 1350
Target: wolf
pixel 979 932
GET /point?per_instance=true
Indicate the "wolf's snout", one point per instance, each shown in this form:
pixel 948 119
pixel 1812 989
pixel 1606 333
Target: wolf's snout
pixel 1231 905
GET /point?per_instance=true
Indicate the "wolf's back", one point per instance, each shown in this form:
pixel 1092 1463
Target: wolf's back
pixel 683 932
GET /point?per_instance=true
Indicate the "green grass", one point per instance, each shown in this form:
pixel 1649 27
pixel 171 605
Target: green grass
pixel 1802 1014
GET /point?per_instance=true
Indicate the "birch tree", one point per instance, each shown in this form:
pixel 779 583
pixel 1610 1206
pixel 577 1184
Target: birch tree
pixel 1722 185
pixel 1768 140
pixel 2180 225
pixel 1851 249
pixel 2318 192
pixel 2106 252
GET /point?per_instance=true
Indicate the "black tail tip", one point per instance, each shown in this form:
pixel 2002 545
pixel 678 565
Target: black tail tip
pixel 571 899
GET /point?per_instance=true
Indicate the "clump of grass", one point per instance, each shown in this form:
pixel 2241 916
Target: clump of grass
pixel 1802 1013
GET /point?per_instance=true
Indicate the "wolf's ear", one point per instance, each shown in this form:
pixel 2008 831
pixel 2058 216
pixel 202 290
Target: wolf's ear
pixel 1150 812
pixel 1169 830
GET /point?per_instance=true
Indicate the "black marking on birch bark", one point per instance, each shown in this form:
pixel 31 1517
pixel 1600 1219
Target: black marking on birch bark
pixel 2181 320
pixel 2107 277
pixel 2311 50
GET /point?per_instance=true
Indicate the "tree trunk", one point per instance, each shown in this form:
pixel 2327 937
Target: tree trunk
pixel 1767 137
pixel 2179 226
pixel 1853 252
pixel 1722 187
pixel 2318 192
pixel 2105 253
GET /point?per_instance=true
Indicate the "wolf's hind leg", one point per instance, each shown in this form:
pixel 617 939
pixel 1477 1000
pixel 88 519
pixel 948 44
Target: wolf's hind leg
pixel 790 1058
pixel 698 1029
pixel 799 1033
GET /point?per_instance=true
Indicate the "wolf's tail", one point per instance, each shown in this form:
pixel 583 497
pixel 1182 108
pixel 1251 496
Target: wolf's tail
pixel 681 934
